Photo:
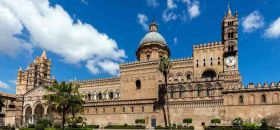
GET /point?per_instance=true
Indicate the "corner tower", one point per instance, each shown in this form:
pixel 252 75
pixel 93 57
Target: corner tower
pixel 153 45
pixel 36 74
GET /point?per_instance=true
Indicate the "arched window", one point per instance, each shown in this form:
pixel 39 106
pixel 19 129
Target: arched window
pixel 89 96
pixel 208 74
pixel 198 92
pixel 219 61
pixel 241 99
pixel 263 98
pixel 111 95
pixel 189 77
pixel 204 62
pixel 138 84
pixel 100 96
pixel 207 91
pixel 148 57
pixel 171 93
pixel 181 91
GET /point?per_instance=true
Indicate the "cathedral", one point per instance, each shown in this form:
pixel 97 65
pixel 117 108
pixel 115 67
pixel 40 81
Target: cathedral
pixel 204 86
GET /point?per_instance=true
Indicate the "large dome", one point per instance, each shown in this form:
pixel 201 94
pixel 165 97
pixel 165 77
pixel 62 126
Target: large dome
pixel 153 37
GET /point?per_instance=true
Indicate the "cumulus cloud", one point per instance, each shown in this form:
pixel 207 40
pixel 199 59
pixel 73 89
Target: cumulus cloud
pixel 193 8
pixel 273 30
pixel 10 27
pixel 252 22
pixel 52 28
pixel 4 85
pixel 174 12
pixel 152 3
pixel 142 20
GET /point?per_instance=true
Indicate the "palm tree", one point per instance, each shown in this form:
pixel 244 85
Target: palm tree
pixel 164 67
pixel 61 99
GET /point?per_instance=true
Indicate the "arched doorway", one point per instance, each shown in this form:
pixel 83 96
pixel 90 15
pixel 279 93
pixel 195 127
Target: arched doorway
pixel 38 112
pixel 28 115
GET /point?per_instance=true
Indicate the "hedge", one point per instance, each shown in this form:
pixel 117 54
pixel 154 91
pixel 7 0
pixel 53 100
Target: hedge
pixel 125 126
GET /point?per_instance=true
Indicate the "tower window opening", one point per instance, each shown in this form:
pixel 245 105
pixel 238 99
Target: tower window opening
pixel 132 109
pixel 148 57
pixel 123 109
pixel 114 109
pixel 111 95
pixel 138 84
pixel 143 109
pixel 263 98
pixel 241 99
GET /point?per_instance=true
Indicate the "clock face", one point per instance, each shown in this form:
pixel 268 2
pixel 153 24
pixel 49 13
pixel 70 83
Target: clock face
pixel 230 61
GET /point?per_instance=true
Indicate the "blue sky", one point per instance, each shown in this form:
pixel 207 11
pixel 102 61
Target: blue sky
pixel 86 39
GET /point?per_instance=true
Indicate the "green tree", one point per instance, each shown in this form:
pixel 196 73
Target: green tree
pixel 216 121
pixel 188 121
pixel 63 99
pixel 164 67
pixel 237 123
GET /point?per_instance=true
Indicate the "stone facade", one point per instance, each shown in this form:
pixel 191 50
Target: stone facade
pixel 205 86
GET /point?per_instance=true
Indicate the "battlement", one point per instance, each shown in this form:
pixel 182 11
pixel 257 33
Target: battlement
pixel 181 59
pixel 262 86
pixel 100 80
pixel 209 44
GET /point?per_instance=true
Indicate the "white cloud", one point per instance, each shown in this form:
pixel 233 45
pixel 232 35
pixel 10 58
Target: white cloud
pixel 193 8
pixel 168 15
pixel 273 30
pixel 175 40
pixel 10 26
pixel 174 12
pixel 5 85
pixel 171 4
pixel 52 28
pixel 252 22
pixel 142 20
pixel 84 2
pixel 110 67
pixel 152 3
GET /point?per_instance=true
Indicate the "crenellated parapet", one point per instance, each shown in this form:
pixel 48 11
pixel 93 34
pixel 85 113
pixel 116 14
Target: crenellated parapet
pixel 208 45
pixel 97 81
pixel 258 87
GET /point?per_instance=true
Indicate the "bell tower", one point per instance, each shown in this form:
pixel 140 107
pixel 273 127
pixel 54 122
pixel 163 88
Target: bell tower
pixel 230 74
pixel 230 40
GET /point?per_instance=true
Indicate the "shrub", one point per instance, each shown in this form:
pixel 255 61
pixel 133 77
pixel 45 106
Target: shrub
pixel 140 121
pixel 92 126
pixel 188 121
pixel 248 125
pixel 264 123
pixel 31 126
pixel 43 123
pixel 39 127
pixel 237 122
pixel 57 125
pixel 216 121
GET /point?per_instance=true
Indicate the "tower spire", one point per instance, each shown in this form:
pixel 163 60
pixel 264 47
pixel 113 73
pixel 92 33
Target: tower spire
pixel 229 11
pixel 44 55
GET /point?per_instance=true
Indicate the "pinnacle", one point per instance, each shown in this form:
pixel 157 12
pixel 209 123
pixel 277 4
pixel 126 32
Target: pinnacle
pixel 44 55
